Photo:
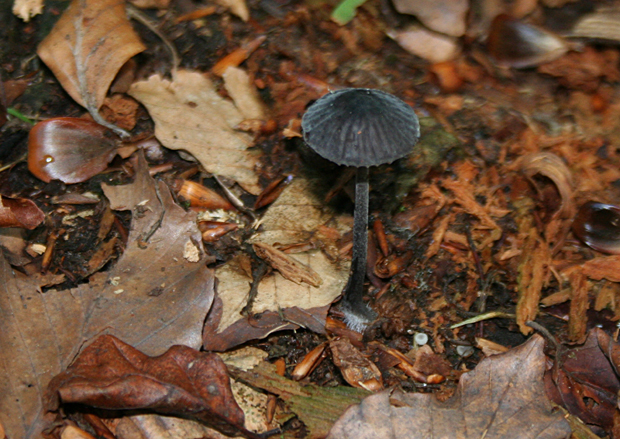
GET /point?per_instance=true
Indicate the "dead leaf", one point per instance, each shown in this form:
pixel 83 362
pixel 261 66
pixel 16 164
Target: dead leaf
pixel 586 380
pixel 190 115
pixel 70 149
pixel 87 47
pixel 20 212
pixel 355 368
pixel 296 216
pixel 112 375
pixel 152 298
pixel 503 397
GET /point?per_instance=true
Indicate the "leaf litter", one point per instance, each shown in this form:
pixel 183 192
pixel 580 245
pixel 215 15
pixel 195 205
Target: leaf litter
pixel 490 225
pixel 152 298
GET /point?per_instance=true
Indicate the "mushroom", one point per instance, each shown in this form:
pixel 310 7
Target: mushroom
pixel 360 127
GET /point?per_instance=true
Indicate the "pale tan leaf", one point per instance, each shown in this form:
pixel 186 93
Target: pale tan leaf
pixel 87 47
pixel 191 116
pixel 243 92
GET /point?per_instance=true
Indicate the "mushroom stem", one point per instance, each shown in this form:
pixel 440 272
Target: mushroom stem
pixel 357 313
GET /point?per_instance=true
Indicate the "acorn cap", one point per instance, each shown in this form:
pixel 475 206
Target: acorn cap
pixel 360 127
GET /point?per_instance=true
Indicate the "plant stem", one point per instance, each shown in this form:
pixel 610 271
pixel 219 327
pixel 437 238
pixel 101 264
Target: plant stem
pixel 357 313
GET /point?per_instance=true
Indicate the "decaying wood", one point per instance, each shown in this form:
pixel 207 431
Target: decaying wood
pixel 290 268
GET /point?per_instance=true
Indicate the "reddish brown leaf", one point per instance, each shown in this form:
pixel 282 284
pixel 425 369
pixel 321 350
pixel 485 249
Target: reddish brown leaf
pixel 19 212
pixel 110 374
pixel 87 47
pixel 502 398
pixel 70 149
pixel 586 382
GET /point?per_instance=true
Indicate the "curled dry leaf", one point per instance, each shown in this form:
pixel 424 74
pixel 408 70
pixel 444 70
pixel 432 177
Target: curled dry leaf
pixel 87 47
pixel 588 374
pixel 553 167
pixel 20 212
pixel 356 369
pixel 112 375
pixel 70 149
pixel 503 395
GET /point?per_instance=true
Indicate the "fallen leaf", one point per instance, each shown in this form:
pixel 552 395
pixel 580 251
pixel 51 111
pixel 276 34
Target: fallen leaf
pixel 20 212
pixel 152 298
pixel 356 369
pixel 112 375
pixel 244 94
pixel 503 397
pixel 296 216
pixel 586 381
pixel 87 47
pixel 190 115
pixel 70 149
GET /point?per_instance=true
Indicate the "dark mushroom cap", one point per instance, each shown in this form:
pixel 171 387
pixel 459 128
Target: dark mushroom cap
pixel 360 127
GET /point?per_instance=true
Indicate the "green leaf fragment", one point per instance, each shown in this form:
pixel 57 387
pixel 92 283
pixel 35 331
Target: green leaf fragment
pixel 345 11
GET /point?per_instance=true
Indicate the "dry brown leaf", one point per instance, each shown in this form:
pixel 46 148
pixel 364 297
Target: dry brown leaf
pixel 152 298
pixel 503 397
pixel 191 116
pixel 294 217
pixel 19 212
pixel 586 381
pixel 355 368
pixel 87 47
pixel 112 375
